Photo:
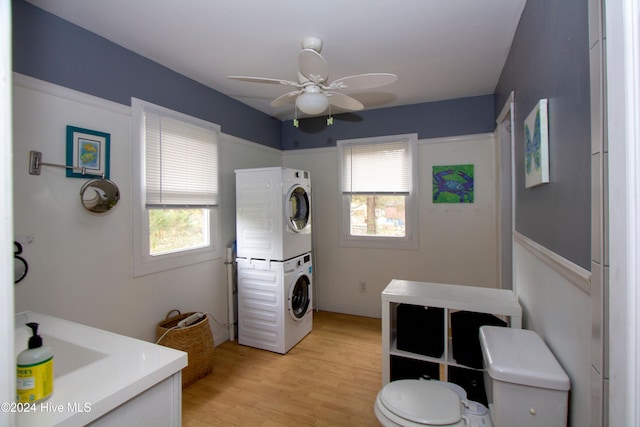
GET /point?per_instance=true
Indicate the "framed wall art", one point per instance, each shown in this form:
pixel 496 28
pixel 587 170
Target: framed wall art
pixel 453 184
pixel 536 149
pixel 88 151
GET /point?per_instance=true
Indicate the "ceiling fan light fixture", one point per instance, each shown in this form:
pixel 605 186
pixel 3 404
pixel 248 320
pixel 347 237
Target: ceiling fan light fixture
pixel 314 92
pixel 312 102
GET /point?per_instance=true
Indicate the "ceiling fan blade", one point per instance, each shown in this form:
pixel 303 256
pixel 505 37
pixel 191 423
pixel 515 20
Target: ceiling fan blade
pixel 363 81
pixel 286 98
pixel 264 80
pixel 343 101
pixel 313 66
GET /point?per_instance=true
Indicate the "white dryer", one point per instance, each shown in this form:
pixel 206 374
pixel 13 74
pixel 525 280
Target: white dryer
pixel 274 302
pixel 273 213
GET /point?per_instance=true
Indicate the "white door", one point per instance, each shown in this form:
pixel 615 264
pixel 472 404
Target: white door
pixel 623 135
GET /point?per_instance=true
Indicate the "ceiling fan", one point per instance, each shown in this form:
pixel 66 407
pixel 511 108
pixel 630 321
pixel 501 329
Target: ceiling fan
pixel 313 93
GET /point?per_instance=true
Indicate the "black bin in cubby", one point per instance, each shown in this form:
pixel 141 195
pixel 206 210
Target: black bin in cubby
pixel 465 332
pixel 471 381
pixel 402 368
pixel 420 329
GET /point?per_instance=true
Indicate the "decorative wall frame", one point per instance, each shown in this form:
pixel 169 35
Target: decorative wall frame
pixel 536 145
pixel 453 184
pixel 88 152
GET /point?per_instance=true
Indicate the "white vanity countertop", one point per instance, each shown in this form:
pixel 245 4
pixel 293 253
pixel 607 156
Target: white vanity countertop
pixel 95 371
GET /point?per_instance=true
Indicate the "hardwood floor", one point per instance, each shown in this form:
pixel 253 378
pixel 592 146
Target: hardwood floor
pixel 330 378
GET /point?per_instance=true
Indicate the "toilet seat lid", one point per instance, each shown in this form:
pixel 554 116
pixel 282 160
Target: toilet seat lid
pixel 422 401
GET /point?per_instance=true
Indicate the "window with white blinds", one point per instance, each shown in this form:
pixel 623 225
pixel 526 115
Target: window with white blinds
pixel 379 200
pixel 175 188
pixel 379 168
pixel 181 161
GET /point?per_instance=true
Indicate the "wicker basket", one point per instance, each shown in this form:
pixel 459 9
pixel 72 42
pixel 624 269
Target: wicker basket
pixel 195 339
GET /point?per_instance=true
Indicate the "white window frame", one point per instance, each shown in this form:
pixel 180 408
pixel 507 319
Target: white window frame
pixel 410 239
pixel 143 262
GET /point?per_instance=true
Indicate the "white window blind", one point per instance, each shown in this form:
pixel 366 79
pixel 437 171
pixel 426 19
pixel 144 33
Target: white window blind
pixel 181 159
pixel 378 168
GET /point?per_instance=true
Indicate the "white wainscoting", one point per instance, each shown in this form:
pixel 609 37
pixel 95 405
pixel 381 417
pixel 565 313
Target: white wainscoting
pixel 556 303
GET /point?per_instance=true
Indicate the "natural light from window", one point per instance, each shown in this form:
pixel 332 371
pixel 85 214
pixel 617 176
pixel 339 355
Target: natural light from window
pixel 377 215
pixel 175 189
pixel 378 183
pixel 172 230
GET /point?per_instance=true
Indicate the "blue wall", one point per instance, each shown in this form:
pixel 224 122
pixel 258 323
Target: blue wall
pixel 549 58
pixel 464 116
pixel 52 49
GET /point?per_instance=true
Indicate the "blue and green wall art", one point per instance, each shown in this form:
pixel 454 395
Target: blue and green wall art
pixel 453 184
pixel 536 145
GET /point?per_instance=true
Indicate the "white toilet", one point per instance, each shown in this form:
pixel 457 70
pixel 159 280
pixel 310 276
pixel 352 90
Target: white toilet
pixel 525 385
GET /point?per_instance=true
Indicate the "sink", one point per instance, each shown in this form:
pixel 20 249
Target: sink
pixel 68 356
pixel 97 372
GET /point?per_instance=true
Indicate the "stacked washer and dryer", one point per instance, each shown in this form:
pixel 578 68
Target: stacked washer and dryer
pixel 273 237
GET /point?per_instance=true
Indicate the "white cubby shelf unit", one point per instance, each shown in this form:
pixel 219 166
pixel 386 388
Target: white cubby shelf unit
pixel 499 302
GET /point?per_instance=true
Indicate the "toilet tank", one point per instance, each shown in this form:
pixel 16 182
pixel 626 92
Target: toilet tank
pixel 525 384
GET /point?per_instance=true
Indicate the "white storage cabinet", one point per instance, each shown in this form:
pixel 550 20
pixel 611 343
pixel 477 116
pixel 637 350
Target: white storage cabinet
pixel 499 302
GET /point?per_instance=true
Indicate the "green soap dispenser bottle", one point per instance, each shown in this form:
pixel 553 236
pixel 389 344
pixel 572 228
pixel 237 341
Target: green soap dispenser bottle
pixel 35 370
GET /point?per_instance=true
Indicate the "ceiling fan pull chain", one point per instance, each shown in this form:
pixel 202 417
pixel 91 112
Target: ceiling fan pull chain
pixel 295 116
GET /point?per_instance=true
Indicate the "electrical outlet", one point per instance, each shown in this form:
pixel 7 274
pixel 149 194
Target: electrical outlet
pixel 362 286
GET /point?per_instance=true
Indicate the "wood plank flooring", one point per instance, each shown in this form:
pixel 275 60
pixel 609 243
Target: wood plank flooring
pixel 330 378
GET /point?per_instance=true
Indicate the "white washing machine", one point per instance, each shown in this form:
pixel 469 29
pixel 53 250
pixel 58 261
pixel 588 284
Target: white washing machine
pixel 273 213
pixel 274 302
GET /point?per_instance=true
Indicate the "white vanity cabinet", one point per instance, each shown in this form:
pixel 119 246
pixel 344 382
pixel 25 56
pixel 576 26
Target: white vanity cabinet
pixel 102 378
pixel 449 298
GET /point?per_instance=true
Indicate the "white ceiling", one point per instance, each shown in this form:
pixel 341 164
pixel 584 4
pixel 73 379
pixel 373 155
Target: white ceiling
pixel 440 49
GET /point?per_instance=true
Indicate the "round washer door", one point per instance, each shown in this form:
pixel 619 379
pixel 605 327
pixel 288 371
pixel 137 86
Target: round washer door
pixel 298 208
pixel 299 297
